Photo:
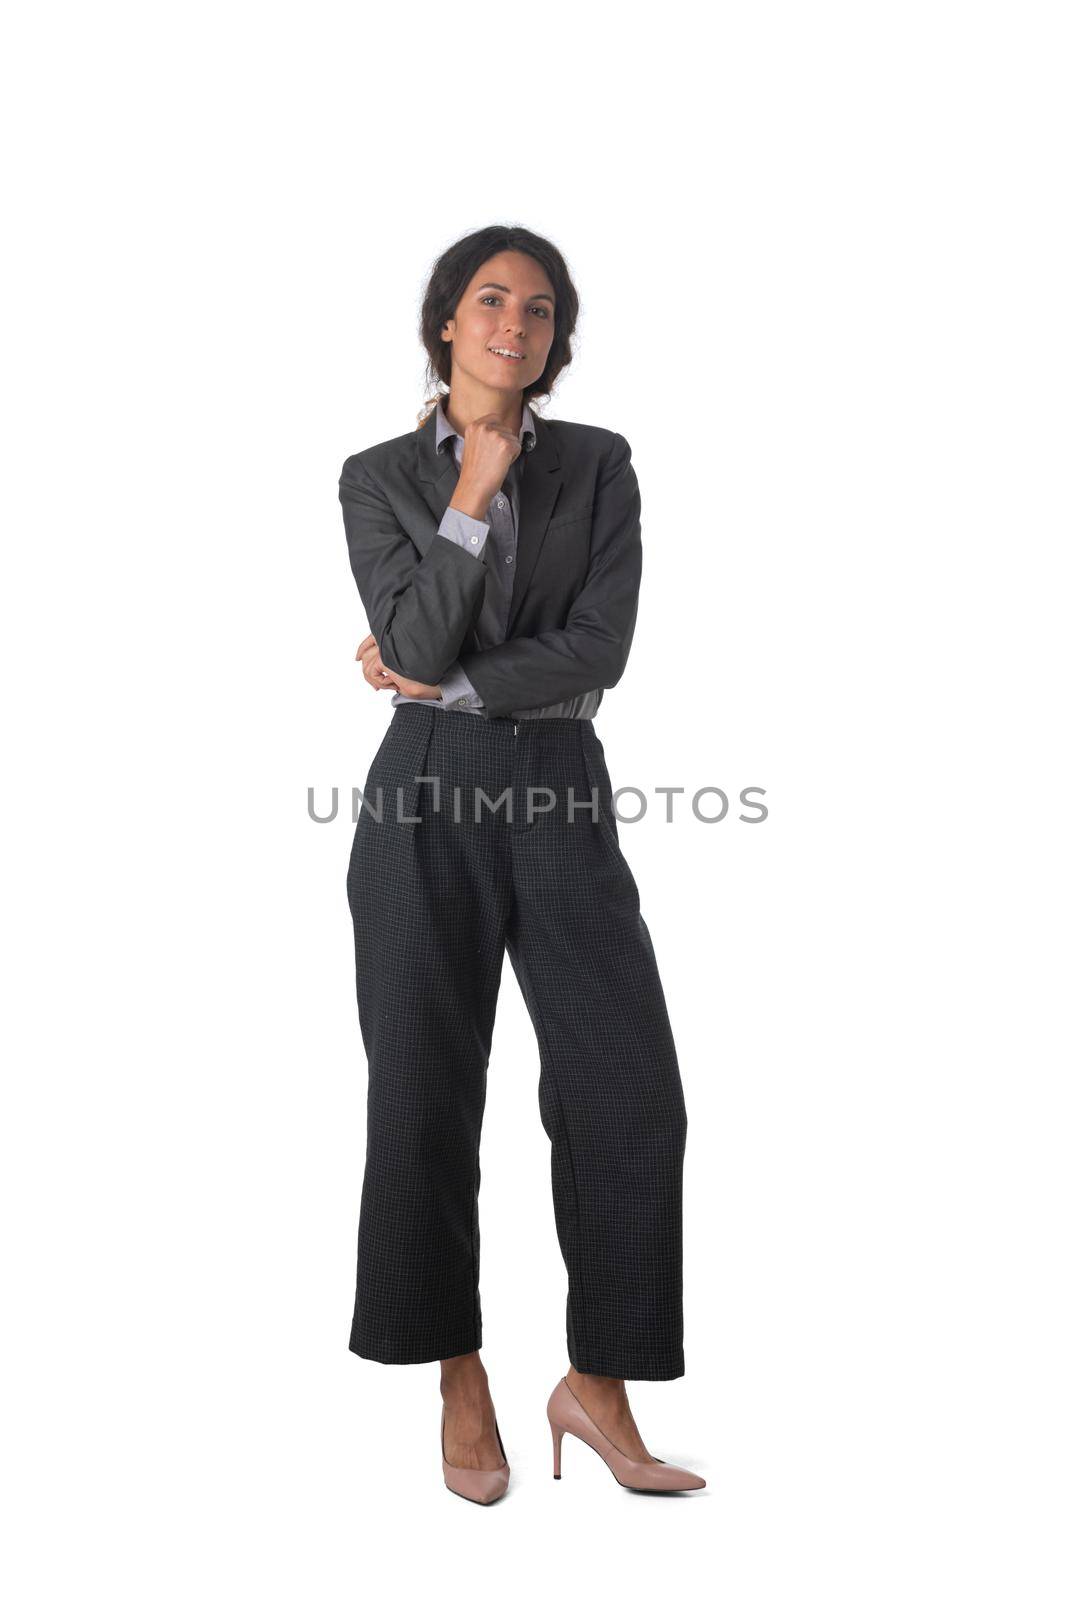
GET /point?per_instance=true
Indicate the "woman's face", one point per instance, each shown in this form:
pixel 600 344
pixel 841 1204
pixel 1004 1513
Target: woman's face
pixel 508 304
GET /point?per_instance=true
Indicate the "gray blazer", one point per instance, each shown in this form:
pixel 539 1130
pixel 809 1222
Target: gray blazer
pixel 577 570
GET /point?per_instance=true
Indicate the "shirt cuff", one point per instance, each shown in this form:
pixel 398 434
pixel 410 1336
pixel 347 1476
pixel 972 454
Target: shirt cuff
pixel 470 534
pixel 457 690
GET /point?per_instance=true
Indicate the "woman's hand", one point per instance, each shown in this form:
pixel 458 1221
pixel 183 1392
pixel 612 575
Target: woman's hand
pixel 379 676
pixel 488 451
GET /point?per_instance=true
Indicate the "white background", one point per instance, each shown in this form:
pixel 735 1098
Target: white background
pixel 821 257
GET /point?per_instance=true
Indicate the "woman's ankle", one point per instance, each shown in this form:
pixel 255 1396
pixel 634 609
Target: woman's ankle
pixel 464 1377
pixel 592 1383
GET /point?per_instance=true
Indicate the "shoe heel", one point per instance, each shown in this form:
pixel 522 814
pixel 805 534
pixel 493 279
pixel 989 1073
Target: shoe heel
pixel 557 1441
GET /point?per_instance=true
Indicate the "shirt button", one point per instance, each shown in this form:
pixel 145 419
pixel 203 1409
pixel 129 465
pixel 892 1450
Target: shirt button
pixel 500 502
pixel 462 701
pixel 509 559
pixel 474 538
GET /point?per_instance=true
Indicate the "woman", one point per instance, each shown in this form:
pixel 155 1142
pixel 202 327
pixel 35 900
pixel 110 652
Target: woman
pixel 498 557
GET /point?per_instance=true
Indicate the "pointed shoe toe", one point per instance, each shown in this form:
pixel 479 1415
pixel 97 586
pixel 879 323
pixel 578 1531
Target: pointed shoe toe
pixel 472 1483
pixel 566 1414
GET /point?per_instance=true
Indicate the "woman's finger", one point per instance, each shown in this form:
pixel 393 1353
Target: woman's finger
pixel 376 674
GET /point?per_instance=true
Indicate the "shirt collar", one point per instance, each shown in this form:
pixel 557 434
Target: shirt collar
pixel 445 430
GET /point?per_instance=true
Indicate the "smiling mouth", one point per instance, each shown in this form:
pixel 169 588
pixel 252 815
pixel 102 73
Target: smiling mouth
pixel 505 354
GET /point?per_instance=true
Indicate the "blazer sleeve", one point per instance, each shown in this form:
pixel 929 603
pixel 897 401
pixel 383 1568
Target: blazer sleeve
pixel 419 607
pixel 591 649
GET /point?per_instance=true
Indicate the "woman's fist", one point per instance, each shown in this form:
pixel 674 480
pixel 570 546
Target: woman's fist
pixel 489 448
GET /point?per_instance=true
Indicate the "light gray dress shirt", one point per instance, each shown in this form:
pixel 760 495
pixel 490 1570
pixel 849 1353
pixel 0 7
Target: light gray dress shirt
pixel 496 543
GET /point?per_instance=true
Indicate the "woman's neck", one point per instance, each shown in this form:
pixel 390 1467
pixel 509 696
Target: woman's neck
pixel 465 402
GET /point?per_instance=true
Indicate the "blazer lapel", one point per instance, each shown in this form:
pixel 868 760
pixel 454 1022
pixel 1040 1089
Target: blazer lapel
pixel 438 476
pixel 538 492
pixel 541 482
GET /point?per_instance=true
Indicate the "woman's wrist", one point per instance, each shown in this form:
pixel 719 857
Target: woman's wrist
pixel 474 502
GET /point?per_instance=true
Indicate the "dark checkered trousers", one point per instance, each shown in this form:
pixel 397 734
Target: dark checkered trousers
pixel 440 884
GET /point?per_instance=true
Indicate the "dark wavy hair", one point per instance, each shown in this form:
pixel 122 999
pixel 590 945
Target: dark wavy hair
pixel 450 275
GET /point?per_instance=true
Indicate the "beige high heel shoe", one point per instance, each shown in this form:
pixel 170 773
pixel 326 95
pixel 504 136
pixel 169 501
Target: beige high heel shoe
pixel 566 1414
pixel 483 1487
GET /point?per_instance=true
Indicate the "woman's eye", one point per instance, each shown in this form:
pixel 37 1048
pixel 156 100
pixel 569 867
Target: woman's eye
pixel 541 310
